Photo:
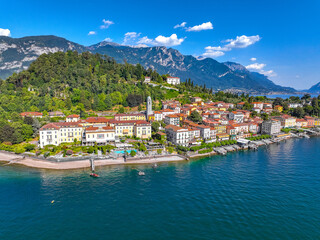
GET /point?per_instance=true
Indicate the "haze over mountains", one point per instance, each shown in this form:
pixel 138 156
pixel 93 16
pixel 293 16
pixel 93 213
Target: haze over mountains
pixel 17 53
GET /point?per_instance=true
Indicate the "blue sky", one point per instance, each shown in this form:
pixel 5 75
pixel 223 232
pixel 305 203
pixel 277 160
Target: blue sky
pixel 283 36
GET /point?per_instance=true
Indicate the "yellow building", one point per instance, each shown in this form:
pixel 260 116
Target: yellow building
pixel 278 108
pixel 124 128
pixel 221 129
pixel 142 129
pixel 129 117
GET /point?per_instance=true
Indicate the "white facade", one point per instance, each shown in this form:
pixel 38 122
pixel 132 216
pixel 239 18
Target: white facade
pixel 173 80
pixel 271 127
pixel 177 135
pixel 172 120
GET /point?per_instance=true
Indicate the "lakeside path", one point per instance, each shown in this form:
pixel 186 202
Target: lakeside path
pixel 35 163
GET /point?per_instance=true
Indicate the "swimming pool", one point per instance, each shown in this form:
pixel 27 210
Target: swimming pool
pixel 122 151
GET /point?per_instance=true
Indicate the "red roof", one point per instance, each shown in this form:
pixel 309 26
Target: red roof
pixel 31 114
pixel 73 116
pixel 97 120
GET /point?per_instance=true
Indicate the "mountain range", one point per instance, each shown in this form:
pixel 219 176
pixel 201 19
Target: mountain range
pixel 16 54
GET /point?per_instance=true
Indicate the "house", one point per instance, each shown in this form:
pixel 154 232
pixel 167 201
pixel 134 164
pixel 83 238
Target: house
pixel 123 128
pixel 236 116
pixel 147 79
pixel 173 80
pixel 166 112
pixel 142 129
pixel 278 108
pixel 300 122
pixel 98 135
pixel 240 105
pixel 196 99
pixel 267 110
pixel 31 114
pixel 294 105
pixel 194 133
pixel 56 114
pixel 177 135
pixel 286 121
pixel 129 116
pixel 258 105
pixel 204 131
pixel 271 127
pixel 73 118
pixel 310 121
pixel 60 132
pixel 172 119
pixel 158 116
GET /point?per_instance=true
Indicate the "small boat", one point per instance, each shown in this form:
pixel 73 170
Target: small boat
pixel 141 173
pixel 94 175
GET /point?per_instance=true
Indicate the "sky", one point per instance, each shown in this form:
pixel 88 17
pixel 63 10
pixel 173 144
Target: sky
pixel 278 38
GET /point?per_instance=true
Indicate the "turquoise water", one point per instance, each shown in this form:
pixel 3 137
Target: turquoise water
pixel 122 152
pixel 272 193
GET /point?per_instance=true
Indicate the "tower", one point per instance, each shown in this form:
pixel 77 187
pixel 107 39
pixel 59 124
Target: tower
pixel 149 106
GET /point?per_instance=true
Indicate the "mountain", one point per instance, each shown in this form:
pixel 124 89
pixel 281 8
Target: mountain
pixel 314 89
pixel 17 53
pixel 259 78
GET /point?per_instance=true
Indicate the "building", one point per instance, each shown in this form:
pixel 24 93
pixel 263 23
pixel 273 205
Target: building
pixel 73 118
pixel 123 128
pixel 310 121
pixel 158 116
pixel 173 80
pixel 149 106
pixel 271 127
pixel 56 114
pixel 286 121
pixel 31 114
pixel 129 117
pixel 196 99
pixel 204 131
pixel 236 116
pixel 294 105
pixel 177 135
pixel 258 105
pixel 60 132
pixel 172 119
pixel 147 79
pixel 278 108
pixel 98 135
pixel 142 129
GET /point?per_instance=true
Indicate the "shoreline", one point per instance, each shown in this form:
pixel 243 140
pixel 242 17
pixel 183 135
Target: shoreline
pixel 15 159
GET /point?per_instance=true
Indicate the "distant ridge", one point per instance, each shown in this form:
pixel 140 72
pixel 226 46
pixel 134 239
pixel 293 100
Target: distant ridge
pixel 16 54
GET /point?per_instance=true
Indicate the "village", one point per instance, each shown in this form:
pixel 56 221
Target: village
pixel 191 130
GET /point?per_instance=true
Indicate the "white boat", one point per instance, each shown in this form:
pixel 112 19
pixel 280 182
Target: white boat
pixel 141 173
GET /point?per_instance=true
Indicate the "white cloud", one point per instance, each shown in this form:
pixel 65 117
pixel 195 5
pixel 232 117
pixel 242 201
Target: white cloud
pixel 203 26
pixel 5 32
pixel 269 73
pixel 92 33
pixel 242 41
pixel 253 59
pixel 182 25
pixel 106 24
pixel 213 54
pixel 259 67
pixel 107 39
pixel 256 66
pixel 130 37
pixel 173 40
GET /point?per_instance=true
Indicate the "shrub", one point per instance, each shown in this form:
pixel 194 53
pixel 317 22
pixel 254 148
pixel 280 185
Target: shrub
pixel 133 153
pixel 29 147
pixel 90 149
pixel 159 151
pixel 46 154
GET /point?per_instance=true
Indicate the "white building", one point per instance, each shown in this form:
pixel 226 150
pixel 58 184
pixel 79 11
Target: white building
pixel 172 120
pixel 204 131
pixel 98 135
pixel 147 79
pixel 60 132
pixel 177 135
pixel 236 116
pixel 73 118
pixel 173 80
pixel 271 127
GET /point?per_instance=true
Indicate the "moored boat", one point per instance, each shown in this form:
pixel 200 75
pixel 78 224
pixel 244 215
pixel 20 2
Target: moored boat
pixel 94 175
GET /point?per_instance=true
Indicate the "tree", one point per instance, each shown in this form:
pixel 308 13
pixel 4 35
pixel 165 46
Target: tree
pixel 298 112
pixel 155 126
pixel 133 153
pixel 195 117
